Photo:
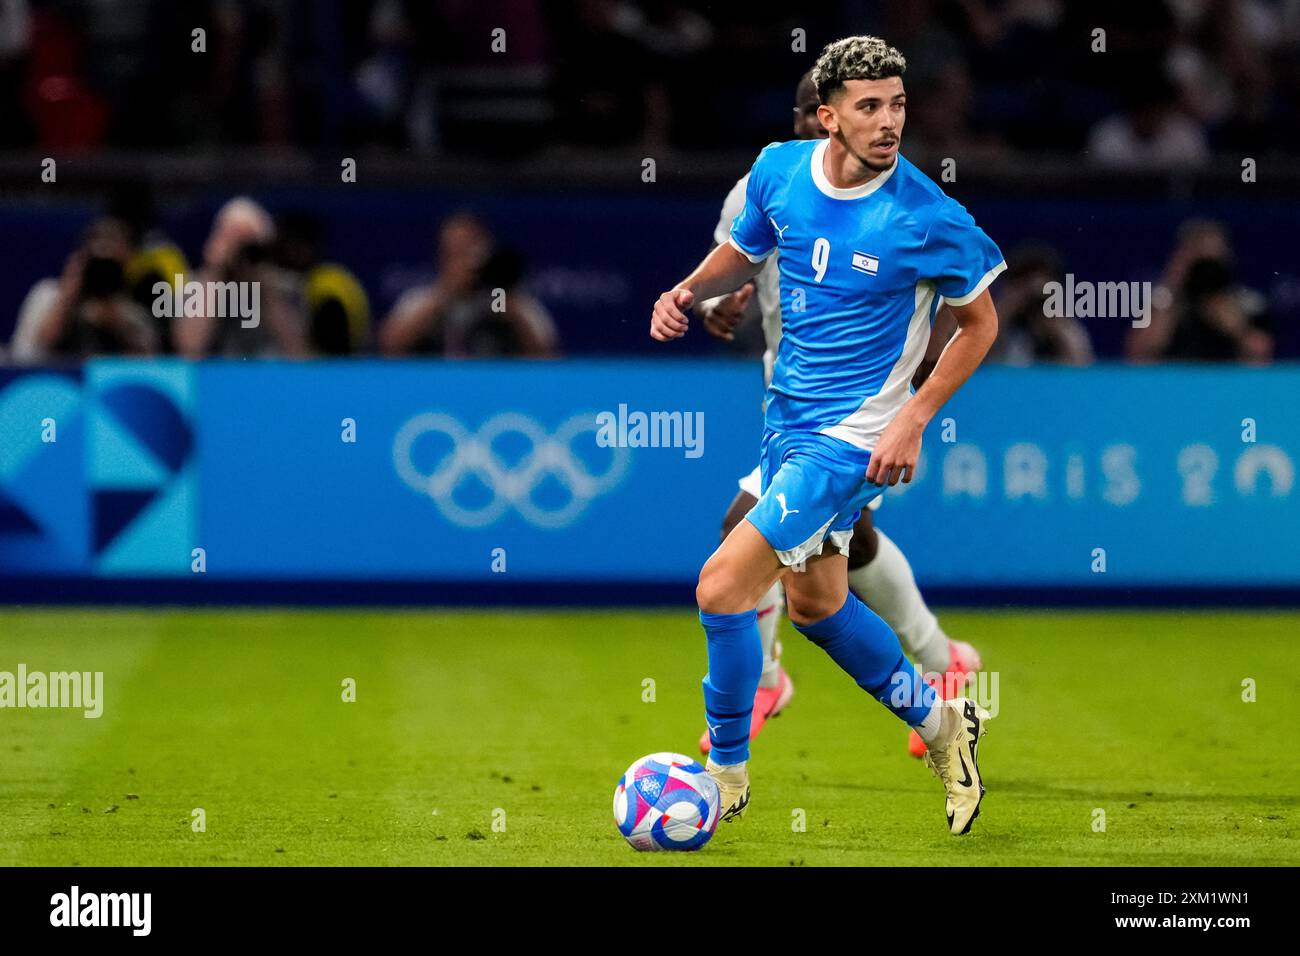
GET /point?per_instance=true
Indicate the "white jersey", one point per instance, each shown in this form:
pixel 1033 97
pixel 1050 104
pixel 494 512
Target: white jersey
pixel 767 283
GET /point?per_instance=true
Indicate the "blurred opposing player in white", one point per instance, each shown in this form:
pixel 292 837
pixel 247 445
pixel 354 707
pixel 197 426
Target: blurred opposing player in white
pixel 878 571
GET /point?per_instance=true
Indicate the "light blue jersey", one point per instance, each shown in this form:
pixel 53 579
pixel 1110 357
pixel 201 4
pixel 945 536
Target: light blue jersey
pixel 863 272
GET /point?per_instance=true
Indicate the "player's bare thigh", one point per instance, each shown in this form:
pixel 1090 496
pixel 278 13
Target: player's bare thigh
pixel 739 573
pixel 862 550
pixel 820 590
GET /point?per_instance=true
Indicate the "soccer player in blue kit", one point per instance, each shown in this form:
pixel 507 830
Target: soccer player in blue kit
pixel 869 247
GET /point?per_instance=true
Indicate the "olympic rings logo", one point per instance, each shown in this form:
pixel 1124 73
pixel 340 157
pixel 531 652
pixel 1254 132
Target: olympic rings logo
pixel 473 455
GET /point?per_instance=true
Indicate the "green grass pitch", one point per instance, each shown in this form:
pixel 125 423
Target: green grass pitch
pixel 496 738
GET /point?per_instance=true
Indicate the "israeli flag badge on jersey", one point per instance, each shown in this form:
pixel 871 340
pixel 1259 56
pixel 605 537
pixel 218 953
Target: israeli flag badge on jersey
pixel 865 263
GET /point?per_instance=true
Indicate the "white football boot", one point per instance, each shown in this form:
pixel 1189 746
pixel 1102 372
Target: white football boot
pixel 954 758
pixel 733 785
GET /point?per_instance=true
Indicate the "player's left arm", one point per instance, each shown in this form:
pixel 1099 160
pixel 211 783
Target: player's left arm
pixel 943 328
pixel 961 261
pixel 896 454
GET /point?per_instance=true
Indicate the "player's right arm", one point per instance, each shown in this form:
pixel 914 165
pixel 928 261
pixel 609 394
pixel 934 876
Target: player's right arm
pixel 723 270
pixel 723 314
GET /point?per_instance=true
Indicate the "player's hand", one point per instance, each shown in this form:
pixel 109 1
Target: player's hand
pixel 721 320
pixel 896 453
pixel 667 319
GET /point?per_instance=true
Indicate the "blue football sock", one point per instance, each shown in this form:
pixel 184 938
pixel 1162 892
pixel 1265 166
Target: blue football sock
pixel 865 647
pixel 735 665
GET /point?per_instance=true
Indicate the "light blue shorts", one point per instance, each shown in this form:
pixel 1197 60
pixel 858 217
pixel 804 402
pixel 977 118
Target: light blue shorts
pixel 814 488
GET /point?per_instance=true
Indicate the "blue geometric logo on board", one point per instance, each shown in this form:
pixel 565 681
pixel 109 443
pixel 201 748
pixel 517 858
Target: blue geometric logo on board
pixel 44 517
pixel 140 445
pixel 13 519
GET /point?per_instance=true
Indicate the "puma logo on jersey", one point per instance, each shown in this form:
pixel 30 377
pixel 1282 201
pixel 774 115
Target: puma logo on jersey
pixel 780 230
pixel 780 499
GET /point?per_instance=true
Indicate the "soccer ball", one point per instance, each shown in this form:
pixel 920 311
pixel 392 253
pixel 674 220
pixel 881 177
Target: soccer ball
pixel 666 802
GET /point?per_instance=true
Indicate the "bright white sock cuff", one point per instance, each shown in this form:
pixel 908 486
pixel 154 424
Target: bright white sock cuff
pixel 929 728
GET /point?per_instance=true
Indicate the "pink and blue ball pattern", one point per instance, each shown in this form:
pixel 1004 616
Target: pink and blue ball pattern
pixel 666 802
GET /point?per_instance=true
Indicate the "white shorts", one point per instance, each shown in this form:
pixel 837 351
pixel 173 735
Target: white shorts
pixel 752 485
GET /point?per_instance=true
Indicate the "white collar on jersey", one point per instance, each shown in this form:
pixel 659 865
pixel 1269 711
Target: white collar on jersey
pixel 853 192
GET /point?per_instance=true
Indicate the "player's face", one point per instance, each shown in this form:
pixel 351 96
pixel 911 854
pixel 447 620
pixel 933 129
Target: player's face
pixel 807 124
pixel 867 116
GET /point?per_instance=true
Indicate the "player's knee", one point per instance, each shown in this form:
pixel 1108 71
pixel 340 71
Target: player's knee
pixel 863 547
pixel 714 594
pixel 806 609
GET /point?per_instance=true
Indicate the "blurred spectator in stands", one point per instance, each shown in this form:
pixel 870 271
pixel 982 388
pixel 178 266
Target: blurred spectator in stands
pixel 483 85
pixel 942 127
pixel 1006 41
pixel 383 78
pixel 331 298
pixel 1026 333
pixel 66 111
pixel 155 258
pixel 1236 59
pixel 1199 310
pixel 477 306
pixel 1151 131
pixel 237 250
pixel 618 73
pixel 89 310
pixel 15 39
pixel 625 69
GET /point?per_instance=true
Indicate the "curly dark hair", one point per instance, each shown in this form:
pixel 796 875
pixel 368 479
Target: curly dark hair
pixel 855 58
